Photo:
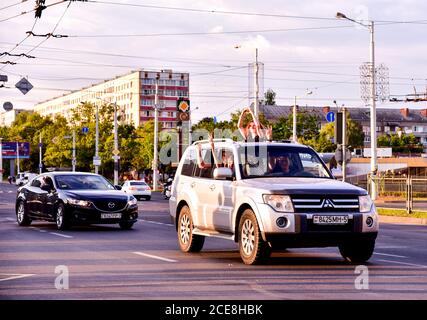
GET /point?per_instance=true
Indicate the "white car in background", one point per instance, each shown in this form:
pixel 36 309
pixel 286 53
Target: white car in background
pixel 24 177
pixel 139 189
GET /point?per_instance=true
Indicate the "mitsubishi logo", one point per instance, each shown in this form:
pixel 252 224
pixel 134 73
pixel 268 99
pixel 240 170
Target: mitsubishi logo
pixel 327 204
pixel 111 205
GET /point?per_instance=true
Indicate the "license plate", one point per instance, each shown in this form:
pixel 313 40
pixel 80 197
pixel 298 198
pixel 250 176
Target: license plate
pixel 111 215
pixel 330 219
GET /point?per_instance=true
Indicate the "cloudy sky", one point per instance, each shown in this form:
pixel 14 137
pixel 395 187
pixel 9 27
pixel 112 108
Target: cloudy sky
pixel 302 45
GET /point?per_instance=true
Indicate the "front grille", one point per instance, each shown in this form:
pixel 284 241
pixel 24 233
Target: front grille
pixel 325 203
pixel 104 205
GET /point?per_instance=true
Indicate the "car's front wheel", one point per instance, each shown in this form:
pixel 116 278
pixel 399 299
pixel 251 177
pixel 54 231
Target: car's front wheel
pixel 61 219
pixel 22 215
pixel 253 249
pixel 357 252
pixel 188 242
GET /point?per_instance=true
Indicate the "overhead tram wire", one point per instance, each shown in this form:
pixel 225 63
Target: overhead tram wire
pixel 25 12
pixel 12 5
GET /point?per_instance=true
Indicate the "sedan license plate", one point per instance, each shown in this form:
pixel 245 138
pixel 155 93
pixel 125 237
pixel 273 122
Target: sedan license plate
pixel 111 215
pixel 330 219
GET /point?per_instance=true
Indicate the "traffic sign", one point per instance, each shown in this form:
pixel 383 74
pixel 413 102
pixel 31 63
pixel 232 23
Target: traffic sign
pixel 24 85
pixel 85 129
pixel 330 116
pixel 73 162
pixel 96 161
pixel 40 165
pixel 55 140
pixel 115 158
pixel 116 152
pixel 40 145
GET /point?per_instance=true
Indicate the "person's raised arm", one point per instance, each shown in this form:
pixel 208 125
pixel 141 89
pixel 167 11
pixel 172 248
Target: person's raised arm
pixel 200 162
pixel 240 126
pixel 216 161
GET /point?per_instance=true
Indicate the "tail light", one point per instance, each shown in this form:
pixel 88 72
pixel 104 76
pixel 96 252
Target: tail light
pixel 132 188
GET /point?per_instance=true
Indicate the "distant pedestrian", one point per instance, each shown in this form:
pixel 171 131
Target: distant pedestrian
pixel 9 178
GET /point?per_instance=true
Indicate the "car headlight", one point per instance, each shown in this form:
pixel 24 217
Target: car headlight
pixel 279 202
pixel 132 201
pixel 365 203
pixel 80 203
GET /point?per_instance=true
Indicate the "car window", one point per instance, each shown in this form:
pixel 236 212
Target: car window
pixel 189 163
pixel 207 171
pixel 137 183
pixel 82 182
pixel 280 161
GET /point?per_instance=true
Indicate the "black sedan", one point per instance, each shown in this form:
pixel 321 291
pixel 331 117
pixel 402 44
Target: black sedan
pixel 69 198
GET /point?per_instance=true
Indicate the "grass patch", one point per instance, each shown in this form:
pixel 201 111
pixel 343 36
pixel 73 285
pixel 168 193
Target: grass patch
pixel 401 213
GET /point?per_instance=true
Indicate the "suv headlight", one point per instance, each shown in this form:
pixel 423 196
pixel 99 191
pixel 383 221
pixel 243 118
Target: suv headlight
pixel 132 201
pixel 365 203
pixel 80 203
pixel 279 202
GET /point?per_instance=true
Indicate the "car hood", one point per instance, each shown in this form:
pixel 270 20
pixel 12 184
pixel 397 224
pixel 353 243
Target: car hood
pixel 96 194
pixel 303 186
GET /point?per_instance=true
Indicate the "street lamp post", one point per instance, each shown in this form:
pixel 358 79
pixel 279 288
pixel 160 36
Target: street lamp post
pixel 373 113
pixel 40 155
pixel 116 148
pixel 1 160
pixel 294 118
pixel 190 138
pixel 96 140
pixel 156 129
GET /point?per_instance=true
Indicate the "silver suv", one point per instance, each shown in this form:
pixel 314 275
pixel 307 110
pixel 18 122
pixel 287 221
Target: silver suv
pixel 275 195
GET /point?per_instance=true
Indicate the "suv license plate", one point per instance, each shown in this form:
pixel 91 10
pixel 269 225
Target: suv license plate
pixel 111 215
pixel 330 219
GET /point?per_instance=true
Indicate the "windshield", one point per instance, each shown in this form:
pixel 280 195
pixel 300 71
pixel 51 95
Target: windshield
pixel 280 161
pixel 82 182
pixel 137 183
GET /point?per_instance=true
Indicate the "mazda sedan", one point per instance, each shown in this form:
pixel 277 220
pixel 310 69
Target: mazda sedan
pixel 71 198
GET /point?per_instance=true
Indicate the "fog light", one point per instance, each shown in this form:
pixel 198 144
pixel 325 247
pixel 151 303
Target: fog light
pixel 369 221
pixel 282 222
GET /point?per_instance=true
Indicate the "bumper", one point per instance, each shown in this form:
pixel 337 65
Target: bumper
pixel 139 193
pixel 91 216
pixel 301 231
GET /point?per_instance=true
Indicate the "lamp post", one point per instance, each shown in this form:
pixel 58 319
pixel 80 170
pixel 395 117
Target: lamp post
pixel 190 138
pixel 1 159
pixel 294 118
pixel 373 114
pixel 156 129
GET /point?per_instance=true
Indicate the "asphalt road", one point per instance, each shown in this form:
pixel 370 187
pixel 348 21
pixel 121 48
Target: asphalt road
pixel 105 262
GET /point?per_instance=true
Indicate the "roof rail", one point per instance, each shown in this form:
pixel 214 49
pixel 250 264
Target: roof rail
pixel 214 140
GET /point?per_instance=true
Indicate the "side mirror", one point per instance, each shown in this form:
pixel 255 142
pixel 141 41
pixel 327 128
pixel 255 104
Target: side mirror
pixel 117 187
pixel 222 173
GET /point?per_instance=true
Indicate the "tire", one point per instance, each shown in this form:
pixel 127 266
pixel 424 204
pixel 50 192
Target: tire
pixel 357 252
pixel 125 225
pixel 253 249
pixel 188 242
pixel 148 198
pixel 60 218
pixel 22 215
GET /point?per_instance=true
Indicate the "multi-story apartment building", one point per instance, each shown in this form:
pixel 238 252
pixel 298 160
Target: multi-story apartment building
pixel 133 93
pixel 389 120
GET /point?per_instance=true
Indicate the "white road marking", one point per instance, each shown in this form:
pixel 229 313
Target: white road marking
pixel 154 257
pixel 10 191
pixel 155 222
pixel 42 230
pixel 405 263
pixel 61 235
pixel 10 219
pixel 15 276
pixel 390 247
pixel 390 255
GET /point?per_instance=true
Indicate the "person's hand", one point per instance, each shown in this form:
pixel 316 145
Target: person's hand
pixel 269 133
pixel 210 138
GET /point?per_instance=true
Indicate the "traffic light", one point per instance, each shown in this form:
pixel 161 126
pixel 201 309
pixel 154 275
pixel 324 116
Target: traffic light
pixel 338 128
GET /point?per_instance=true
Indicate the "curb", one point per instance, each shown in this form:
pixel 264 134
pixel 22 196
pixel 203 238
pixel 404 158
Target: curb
pixel 402 220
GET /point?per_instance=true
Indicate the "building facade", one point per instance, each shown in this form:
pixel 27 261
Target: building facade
pixel 133 93
pixel 389 120
pixel 8 117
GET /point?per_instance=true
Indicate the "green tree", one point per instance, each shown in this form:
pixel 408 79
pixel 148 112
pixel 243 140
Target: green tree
pixel 270 97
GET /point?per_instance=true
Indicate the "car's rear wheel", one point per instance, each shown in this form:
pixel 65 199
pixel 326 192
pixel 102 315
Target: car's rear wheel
pixel 188 242
pixel 61 220
pixel 22 215
pixel 357 252
pixel 125 225
pixel 253 249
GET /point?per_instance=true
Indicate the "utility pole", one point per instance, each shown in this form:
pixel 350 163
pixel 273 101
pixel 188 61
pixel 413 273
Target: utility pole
pixel 73 160
pixel 256 85
pixel 17 159
pixel 96 140
pixel 344 143
pixel 116 148
pixel 374 164
pixel 156 129
pixel 294 121
pixel 40 155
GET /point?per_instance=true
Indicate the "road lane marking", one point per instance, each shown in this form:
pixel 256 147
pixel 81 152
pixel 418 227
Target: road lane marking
pixel 391 247
pixel 155 222
pixel 15 276
pixel 154 257
pixel 42 230
pixel 405 263
pixel 61 235
pixel 390 255
pixel 10 219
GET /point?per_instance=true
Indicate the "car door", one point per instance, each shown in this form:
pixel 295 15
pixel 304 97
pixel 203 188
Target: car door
pixel 220 201
pixel 48 199
pixel 31 197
